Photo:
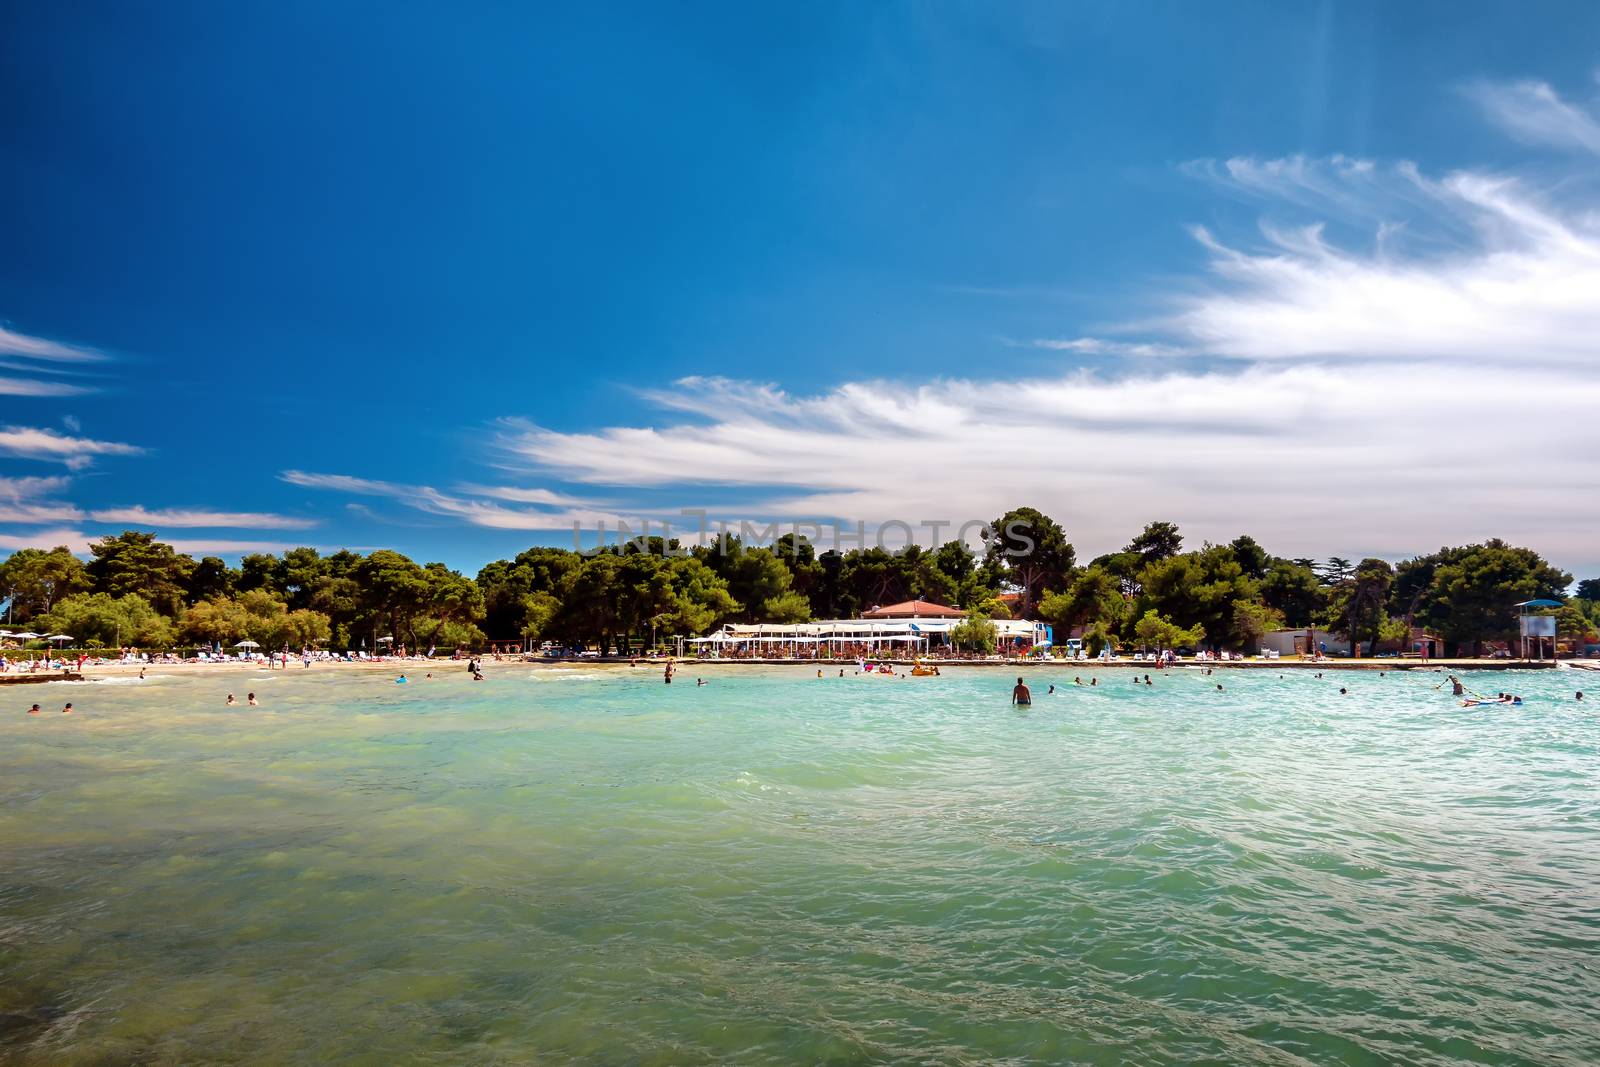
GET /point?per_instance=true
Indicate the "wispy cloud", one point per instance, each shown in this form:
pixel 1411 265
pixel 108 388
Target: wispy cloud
pixel 42 444
pixel 190 517
pixel 1302 457
pixel 1099 346
pixel 209 547
pixel 29 500
pixel 1348 364
pixel 20 344
pixel 29 488
pixel 36 387
pixel 1534 113
pixel 75 541
pixel 473 510
pixel 1521 289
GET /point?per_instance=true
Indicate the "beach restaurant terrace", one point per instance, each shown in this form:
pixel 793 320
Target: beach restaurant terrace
pixel 832 637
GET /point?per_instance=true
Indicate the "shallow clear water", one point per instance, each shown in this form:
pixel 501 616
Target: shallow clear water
pixel 588 866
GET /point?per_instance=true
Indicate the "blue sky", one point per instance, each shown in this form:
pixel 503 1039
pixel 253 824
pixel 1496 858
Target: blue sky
pixel 363 275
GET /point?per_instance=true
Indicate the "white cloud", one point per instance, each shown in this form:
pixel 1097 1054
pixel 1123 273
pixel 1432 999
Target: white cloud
pixel 189 517
pixel 1098 346
pixel 208 547
pixel 76 541
pixel 26 500
pixel 518 495
pixel 15 489
pixel 1534 113
pixel 29 501
pixel 470 509
pixel 38 513
pixel 35 387
pixel 20 344
pixel 1506 276
pixel 74 452
pixel 1312 460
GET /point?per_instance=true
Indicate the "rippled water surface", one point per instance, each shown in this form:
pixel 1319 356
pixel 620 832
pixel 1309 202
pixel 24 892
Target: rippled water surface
pixel 587 866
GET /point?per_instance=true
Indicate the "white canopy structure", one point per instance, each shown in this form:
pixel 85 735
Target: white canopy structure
pixel 873 633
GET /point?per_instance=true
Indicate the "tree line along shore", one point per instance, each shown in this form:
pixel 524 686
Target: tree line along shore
pixel 137 591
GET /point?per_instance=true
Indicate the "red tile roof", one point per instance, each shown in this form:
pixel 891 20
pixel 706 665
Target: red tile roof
pixel 912 609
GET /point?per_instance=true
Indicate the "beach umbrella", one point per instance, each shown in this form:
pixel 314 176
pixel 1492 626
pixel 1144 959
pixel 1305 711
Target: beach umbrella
pixel 62 637
pixel 246 644
pixel 381 640
pixel 27 635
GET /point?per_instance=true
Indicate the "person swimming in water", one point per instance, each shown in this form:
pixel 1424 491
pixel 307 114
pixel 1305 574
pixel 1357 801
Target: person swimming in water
pixel 68 709
pixel 1050 692
pixel 231 701
pixel 250 698
pixel 699 682
pixel 34 710
pixel 399 681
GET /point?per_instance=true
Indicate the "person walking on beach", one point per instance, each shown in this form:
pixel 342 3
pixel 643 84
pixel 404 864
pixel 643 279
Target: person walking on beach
pixel 1020 695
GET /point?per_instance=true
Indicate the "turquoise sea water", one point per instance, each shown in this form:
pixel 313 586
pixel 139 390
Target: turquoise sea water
pixel 585 865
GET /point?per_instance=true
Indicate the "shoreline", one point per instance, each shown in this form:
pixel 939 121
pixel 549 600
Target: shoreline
pixel 111 670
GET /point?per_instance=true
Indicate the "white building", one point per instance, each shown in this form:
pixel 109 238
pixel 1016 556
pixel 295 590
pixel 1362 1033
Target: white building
pixel 1298 642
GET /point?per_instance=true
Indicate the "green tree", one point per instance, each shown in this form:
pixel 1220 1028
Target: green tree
pixel 1156 632
pixel 34 579
pixel 1336 571
pixel 975 633
pixel 1356 607
pixel 220 620
pixel 517 593
pixel 261 570
pixel 1156 542
pixel 211 578
pixel 393 590
pixel 1095 596
pixel 1473 597
pixel 1252 620
pixel 1251 556
pixel 1200 590
pixel 700 599
pixel 1291 589
pixel 135 563
pixel 1033 552
pixel 100 620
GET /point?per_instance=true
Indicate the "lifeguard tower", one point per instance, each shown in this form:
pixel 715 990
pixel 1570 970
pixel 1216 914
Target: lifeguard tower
pixel 1538 627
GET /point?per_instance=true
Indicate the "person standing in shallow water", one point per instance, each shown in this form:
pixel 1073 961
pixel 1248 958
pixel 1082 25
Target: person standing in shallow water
pixel 666 675
pixel 1020 695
